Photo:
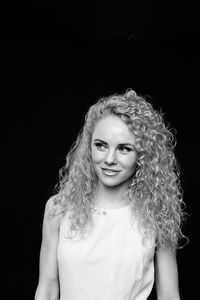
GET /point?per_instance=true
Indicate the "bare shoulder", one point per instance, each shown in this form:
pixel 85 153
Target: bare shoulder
pixel 51 222
pixel 48 278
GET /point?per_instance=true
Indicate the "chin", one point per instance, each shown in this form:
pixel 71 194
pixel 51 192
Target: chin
pixel 113 184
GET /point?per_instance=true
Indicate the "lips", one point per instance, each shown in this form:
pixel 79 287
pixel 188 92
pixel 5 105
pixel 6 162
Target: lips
pixel 110 171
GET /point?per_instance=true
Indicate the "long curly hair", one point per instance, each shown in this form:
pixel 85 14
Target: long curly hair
pixel 155 190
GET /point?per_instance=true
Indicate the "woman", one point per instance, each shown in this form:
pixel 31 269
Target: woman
pixel 116 218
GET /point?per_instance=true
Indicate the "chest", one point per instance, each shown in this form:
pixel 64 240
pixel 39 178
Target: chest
pixel 114 241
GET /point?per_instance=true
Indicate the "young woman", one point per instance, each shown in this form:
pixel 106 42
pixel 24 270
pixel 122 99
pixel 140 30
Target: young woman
pixel 115 222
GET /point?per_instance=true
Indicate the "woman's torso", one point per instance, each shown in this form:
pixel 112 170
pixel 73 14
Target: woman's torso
pixel 113 262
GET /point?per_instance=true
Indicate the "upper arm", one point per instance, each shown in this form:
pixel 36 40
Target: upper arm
pixel 48 273
pixel 166 275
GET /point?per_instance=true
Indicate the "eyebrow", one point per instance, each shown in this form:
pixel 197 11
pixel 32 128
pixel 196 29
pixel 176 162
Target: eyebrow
pixel 121 144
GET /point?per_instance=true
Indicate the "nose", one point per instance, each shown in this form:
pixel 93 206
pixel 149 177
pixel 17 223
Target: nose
pixel 110 158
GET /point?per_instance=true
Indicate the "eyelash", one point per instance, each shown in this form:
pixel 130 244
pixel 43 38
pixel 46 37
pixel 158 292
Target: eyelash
pixel 121 148
pixel 127 149
pixel 99 145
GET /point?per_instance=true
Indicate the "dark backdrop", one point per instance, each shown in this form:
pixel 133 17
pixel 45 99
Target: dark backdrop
pixel 56 60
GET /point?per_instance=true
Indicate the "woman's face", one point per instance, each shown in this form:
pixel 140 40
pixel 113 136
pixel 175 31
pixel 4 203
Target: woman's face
pixel 113 152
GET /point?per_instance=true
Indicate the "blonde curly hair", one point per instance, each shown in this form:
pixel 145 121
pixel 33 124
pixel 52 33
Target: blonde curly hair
pixel 155 190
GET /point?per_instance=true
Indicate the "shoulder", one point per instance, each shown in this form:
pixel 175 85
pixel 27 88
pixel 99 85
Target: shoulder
pixel 51 221
pixel 49 205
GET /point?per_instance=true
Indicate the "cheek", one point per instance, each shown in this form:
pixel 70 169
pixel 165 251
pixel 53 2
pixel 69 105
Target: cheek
pixel 128 162
pixel 97 156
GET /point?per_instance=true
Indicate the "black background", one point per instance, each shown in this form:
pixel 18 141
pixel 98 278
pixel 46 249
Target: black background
pixel 56 60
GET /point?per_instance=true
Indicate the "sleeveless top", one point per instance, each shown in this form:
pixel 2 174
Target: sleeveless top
pixel 114 262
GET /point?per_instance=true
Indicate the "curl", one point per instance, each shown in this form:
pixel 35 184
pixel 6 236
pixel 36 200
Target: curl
pixel 155 190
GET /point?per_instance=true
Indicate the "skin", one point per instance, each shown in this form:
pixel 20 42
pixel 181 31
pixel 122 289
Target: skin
pixel 48 286
pixel 109 154
pixel 113 149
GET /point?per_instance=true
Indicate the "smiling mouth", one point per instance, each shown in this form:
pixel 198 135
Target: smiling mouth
pixel 110 171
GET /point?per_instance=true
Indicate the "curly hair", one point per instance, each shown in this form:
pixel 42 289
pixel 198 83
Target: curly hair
pixel 155 191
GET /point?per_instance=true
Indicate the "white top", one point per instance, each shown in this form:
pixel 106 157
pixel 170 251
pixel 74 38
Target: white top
pixel 113 263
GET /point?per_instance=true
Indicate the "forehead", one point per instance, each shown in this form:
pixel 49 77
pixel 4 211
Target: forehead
pixel 113 129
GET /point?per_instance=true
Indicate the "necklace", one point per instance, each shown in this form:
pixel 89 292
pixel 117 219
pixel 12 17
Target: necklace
pixel 99 211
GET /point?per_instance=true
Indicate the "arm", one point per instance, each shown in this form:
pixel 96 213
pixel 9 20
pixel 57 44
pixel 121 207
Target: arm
pixel 166 275
pixel 48 287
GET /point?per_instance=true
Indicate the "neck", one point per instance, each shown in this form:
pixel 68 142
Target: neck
pixel 111 197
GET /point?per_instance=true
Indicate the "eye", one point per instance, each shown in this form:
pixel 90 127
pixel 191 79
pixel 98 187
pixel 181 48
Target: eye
pixel 100 146
pixel 125 149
